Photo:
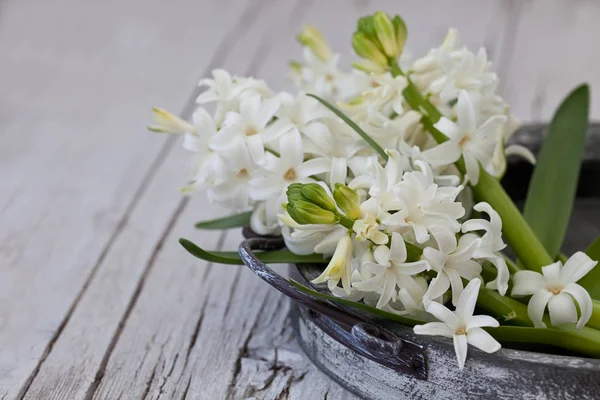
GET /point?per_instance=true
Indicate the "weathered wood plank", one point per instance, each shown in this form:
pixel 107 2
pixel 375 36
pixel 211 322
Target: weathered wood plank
pixel 78 79
pixel 556 49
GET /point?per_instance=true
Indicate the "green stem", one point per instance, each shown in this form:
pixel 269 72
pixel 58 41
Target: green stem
pixel 345 221
pixel 594 321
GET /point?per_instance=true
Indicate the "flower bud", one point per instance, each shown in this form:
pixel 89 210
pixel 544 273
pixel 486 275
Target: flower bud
pixel 294 192
pixel 347 200
pixel 366 48
pixel 318 196
pixel 401 33
pixel 366 25
pixel 340 266
pixel 305 213
pixel 385 31
pixel 312 38
pixel 369 67
pixel 169 123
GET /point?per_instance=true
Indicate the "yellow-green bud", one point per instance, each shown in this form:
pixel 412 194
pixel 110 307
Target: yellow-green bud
pixel 304 213
pixel 369 67
pixel 312 38
pixel 347 200
pixel 318 196
pixel 366 48
pixel 384 29
pixel 401 33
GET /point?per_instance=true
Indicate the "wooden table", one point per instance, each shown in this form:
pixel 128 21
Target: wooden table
pixel 97 298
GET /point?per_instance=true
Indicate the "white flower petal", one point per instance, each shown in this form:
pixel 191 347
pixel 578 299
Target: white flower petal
pixel 460 347
pixel 442 154
pixel 478 321
pixel 465 112
pixel 456 284
pixel 314 167
pixel 522 151
pixel 527 282
pixel 256 148
pixel 338 171
pixel 290 148
pixel 443 314
pixel 398 248
pixel 434 329
pixel 449 128
pixel 552 272
pixel 584 300
pixel 438 286
pixel 562 309
pixel 576 267
pixel 468 299
pixel 537 305
pixel 482 340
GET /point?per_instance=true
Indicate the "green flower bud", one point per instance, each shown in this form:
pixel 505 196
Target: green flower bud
pixel 312 38
pixel 294 192
pixel 385 31
pixel 366 25
pixel 401 32
pixel 347 200
pixel 366 48
pixel 318 196
pixel 304 213
pixel 368 66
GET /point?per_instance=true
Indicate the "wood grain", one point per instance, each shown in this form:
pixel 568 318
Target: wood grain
pixel 97 299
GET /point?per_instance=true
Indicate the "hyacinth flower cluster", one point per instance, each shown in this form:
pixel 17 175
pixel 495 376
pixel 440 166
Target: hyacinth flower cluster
pixel 390 173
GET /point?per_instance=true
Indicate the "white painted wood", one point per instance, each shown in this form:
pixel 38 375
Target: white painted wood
pixel 556 48
pixel 78 80
pixel 112 308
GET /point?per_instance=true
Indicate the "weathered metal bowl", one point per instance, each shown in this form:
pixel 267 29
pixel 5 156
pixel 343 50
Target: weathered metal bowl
pixel 381 359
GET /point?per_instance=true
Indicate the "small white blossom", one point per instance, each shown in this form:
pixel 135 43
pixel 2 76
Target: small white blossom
pixel 475 143
pixel 461 325
pixel 250 125
pixel 227 91
pixel 490 244
pixel 424 206
pixel 278 172
pixel 367 227
pixel 390 270
pixel 556 288
pixel 452 262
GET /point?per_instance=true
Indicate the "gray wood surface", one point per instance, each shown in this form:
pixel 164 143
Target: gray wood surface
pixel 97 299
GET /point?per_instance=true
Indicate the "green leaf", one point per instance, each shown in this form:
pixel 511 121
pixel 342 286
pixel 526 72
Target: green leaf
pixel 554 181
pixel 359 306
pixel 233 221
pixel 233 258
pixel 592 280
pixel 352 125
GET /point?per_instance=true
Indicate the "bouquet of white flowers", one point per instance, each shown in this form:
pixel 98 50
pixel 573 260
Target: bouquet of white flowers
pixel 388 174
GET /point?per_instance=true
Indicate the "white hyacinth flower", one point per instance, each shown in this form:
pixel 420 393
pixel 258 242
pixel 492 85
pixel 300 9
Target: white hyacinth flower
pixel 452 262
pixel 368 227
pixel 490 244
pixel 232 188
pixel 423 205
pixel 321 77
pixel 461 325
pixel 556 288
pixel 227 91
pixel 310 238
pixel 278 172
pixel 339 268
pixel 390 270
pixel 251 126
pixel 475 143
